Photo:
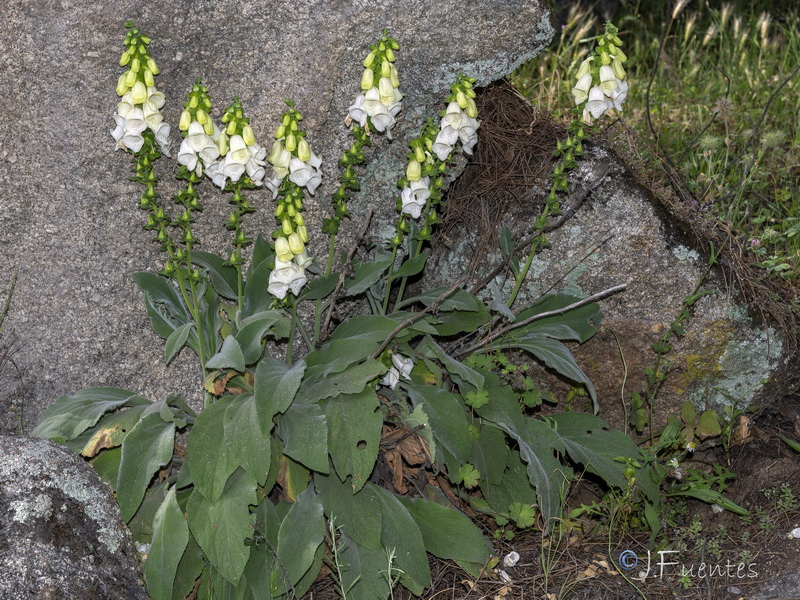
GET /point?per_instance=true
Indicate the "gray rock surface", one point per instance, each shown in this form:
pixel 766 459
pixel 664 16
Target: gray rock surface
pixel 619 236
pixel 61 535
pixel 68 217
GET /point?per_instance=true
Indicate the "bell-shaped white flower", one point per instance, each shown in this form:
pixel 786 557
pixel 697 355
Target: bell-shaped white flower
pixel 196 137
pixel 391 379
pixel 299 172
pixel 155 97
pixel 357 113
pixel 608 81
pixel 162 137
pixel 618 96
pixel 403 364
pixel 187 156
pixel 414 196
pixel 597 104
pixel 135 122
pixel 286 276
pixel 581 90
pixel 239 152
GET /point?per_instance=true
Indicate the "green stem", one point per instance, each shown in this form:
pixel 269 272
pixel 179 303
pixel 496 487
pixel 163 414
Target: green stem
pixel 389 281
pixel 403 283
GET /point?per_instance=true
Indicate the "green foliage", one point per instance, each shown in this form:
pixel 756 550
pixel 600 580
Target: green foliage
pixel 282 466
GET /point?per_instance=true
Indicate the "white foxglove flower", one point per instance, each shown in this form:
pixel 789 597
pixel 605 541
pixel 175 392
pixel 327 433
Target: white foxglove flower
pixel 618 96
pixel 441 149
pixel 391 379
pixel 581 90
pixel 403 364
pixel 608 81
pixel 357 113
pixel 597 104
pixel 414 197
pixel 284 277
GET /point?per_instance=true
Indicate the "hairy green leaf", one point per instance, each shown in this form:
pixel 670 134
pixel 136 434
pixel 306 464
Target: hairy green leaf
pixel 366 275
pixel 230 356
pixel 69 416
pixel 358 514
pixel 304 431
pixel 247 443
pixel 147 448
pixel 354 434
pixel 209 458
pixel 176 341
pixel 447 418
pixel 221 526
pixel 223 277
pixel 301 533
pixel 170 538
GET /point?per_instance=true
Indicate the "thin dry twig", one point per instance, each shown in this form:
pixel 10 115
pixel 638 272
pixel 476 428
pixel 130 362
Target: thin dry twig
pixel 340 282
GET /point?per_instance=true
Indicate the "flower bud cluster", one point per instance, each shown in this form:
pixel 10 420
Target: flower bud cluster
pixel 292 156
pixel 601 84
pixel 139 108
pixel 459 122
pixel 378 104
pixel 199 148
pixel 242 156
pixel 295 168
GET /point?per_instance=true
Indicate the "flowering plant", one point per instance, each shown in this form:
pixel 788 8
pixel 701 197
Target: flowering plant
pixel 307 450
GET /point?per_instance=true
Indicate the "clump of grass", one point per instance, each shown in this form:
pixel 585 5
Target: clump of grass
pixel 723 106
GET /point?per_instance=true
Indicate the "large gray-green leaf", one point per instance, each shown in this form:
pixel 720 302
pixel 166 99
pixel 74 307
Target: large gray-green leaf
pixel 210 460
pixel 248 445
pixel 447 418
pixel 170 538
pixel 365 275
pixel 359 514
pixel 230 356
pixel 276 385
pixel 555 355
pixel 254 329
pixel 147 448
pixel 363 578
pixel 578 324
pixel 354 434
pixel 588 442
pixel 400 533
pixel 461 373
pixel 69 416
pixel 221 526
pixel 223 277
pixel 350 381
pixel 301 533
pixel 447 533
pixel 304 431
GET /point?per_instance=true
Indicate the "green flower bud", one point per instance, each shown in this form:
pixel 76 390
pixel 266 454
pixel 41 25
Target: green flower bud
pixel 291 142
pixel 393 77
pixel 151 65
pixel 231 128
pixel 222 143
pixel 367 61
pixel 302 232
pixel 139 93
pixel 621 55
pixel 296 244
pixel 275 153
pixel 286 120
pixel 413 170
pixel 248 136
pixel 279 210
pixel 136 65
pixel 286 227
pixel 130 78
pixel 619 70
pixel 419 154
pixel 303 150
pixel 186 120
pixel 389 55
pixel 124 59
pixel 193 102
pixel 291 210
pixel 461 98
pixel 122 87
pixel 282 250
pixel 605 58
pixel 298 220
pixel 367 79
pixel 148 78
pixel 386 68
pixel 472 108
pixel 208 127
pixel 201 116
